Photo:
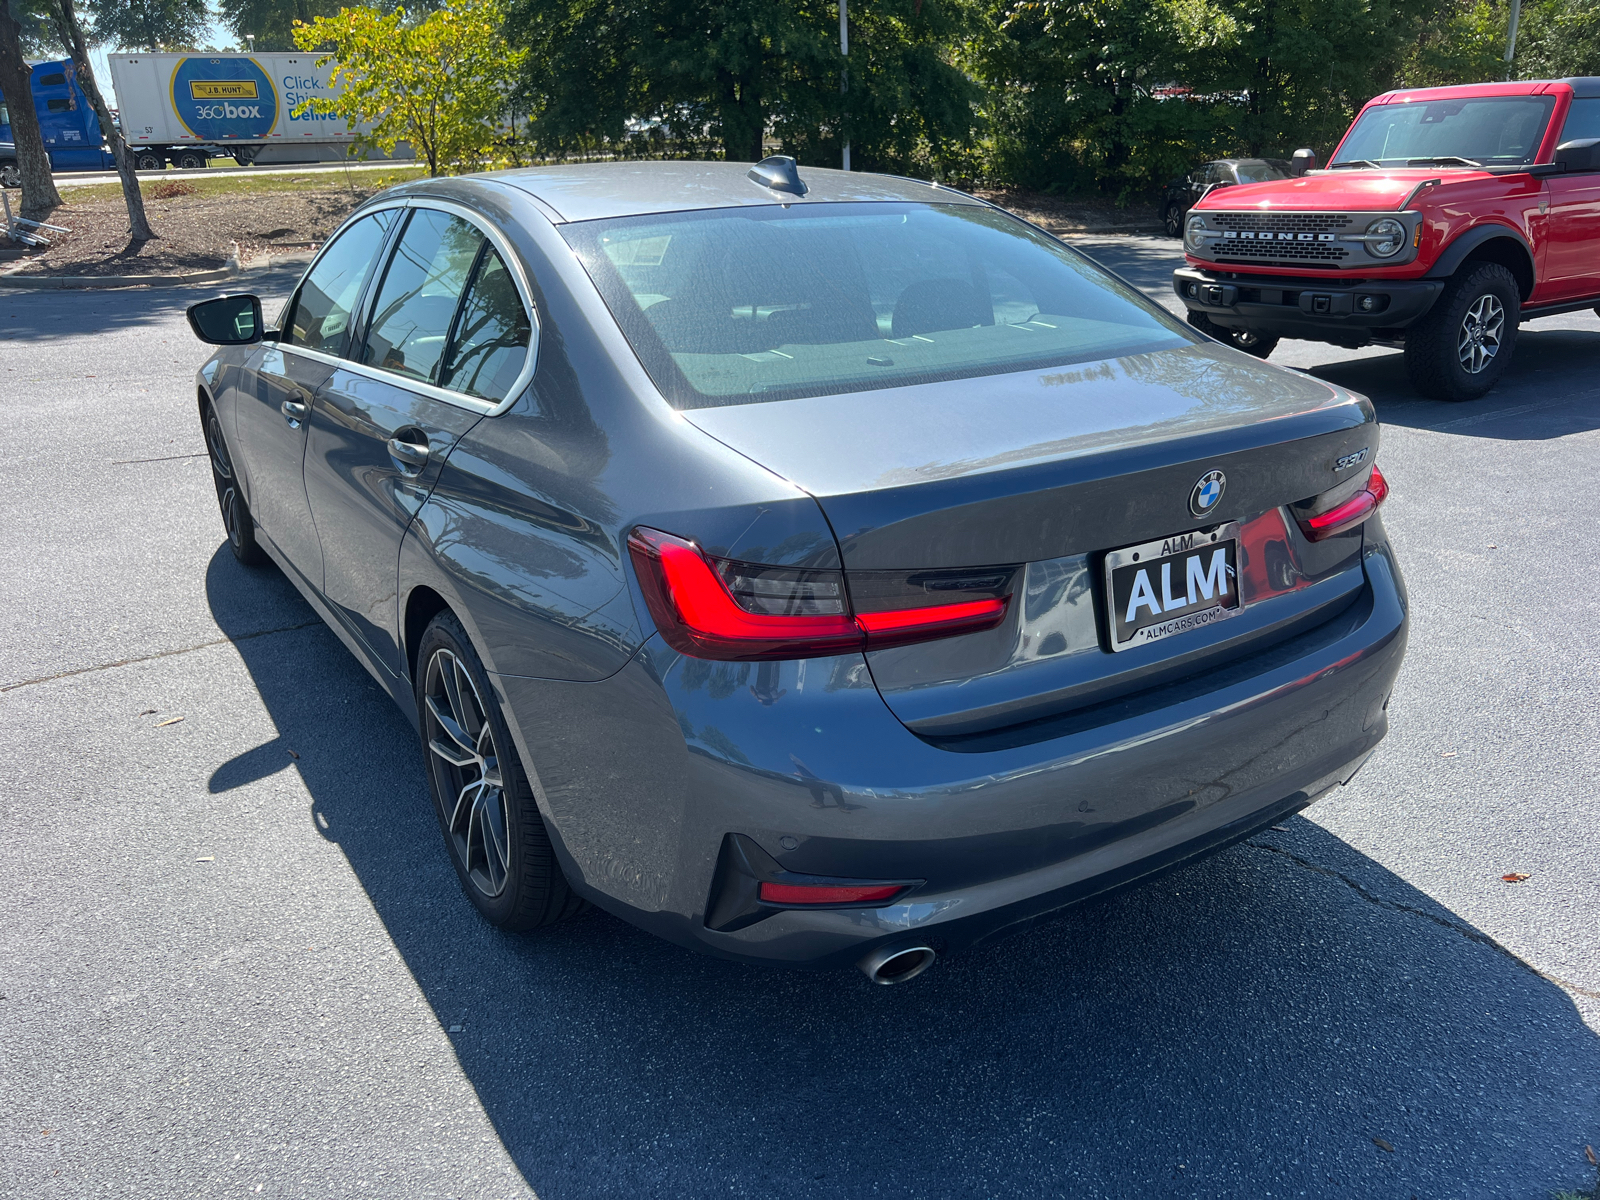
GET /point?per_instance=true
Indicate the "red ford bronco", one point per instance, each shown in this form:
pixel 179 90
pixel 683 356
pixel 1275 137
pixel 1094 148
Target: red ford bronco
pixel 1445 218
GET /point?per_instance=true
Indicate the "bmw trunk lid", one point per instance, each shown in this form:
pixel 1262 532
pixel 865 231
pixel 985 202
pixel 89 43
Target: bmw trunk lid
pixel 1051 474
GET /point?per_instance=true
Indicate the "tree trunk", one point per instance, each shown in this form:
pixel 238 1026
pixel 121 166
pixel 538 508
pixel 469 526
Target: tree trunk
pixel 742 118
pixel 71 31
pixel 39 193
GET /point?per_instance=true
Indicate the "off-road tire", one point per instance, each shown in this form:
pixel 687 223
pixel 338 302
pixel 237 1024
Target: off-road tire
pixel 493 831
pixel 1172 218
pixel 1437 344
pixel 1250 341
pixel 237 522
pixel 10 175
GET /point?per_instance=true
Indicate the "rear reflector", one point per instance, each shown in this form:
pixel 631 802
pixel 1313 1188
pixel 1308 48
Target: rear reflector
pixel 795 893
pixel 718 609
pixel 1349 514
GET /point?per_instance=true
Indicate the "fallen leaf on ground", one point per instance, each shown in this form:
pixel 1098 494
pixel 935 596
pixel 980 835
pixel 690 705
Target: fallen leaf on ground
pixel 1588 1152
pixel 1515 877
pixel 149 712
pixel 293 755
pixel 168 721
pixel 1382 1145
pixel 207 858
pixel 1448 754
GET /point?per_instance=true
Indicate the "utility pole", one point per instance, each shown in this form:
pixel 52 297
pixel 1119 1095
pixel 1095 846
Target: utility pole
pixel 844 70
pixel 1511 37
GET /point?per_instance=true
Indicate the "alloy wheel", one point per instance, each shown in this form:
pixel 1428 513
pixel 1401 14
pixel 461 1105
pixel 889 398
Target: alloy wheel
pixel 10 176
pixel 227 487
pixel 466 765
pixel 1478 340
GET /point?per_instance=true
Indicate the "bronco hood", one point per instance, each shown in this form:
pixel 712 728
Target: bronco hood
pixel 1349 190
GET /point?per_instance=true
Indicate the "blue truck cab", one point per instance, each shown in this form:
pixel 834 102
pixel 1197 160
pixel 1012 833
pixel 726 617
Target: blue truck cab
pixel 66 119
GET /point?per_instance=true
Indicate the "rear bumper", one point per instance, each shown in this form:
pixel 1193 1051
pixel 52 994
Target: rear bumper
pixel 642 775
pixel 1319 309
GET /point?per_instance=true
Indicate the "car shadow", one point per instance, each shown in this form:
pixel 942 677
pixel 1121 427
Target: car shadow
pixel 1285 1018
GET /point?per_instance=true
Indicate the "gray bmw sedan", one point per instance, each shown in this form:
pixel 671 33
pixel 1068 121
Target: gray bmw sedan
pixel 811 568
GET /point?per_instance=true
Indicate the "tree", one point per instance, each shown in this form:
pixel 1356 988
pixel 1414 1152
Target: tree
pixel 148 24
pixel 70 30
pixel 39 193
pixel 742 70
pixel 271 22
pixel 440 83
pixel 37 27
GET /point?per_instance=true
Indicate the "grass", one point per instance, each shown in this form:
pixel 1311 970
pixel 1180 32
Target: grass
pixel 248 184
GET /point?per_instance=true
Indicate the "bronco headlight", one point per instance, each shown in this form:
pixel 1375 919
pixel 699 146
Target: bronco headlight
pixel 1194 232
pixel 1385 238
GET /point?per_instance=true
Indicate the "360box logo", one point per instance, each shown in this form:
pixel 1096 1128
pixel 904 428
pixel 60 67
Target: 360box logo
pixel 221 99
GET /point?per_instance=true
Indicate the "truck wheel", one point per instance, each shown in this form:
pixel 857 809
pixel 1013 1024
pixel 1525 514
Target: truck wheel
pixel 1172 218
pixel 189 160
pixel 10 175
pixel 1258 344
pixel 148 160
pixel 1459 350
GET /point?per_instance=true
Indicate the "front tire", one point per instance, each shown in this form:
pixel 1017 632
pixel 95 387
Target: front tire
pixel 1461 348
pixel 237 522
pixel 1259 345
pixel 492 827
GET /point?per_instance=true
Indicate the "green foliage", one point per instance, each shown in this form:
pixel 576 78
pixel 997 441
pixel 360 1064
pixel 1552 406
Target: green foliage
pixel 1559 37
pixel 691 76
pixel 147 24
pixel 38 29
pixel 272 22
pixel 440 83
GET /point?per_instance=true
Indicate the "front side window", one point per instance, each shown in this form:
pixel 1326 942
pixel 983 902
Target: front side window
pixel 490 343
pixel 731 306
pixel 1583 121
pixel 420 292
pixel 321 313
pixel 1490 131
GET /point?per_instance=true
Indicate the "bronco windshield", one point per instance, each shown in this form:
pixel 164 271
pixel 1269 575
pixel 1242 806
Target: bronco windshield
pixel 735 306
pixel 1490 131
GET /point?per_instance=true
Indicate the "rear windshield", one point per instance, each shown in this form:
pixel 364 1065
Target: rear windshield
pixel 1263 170
pixel 1493 131
pixel 770 303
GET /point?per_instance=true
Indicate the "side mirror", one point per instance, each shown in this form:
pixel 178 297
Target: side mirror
pixel 227 320
pixel 1579 156
pixel 1304 160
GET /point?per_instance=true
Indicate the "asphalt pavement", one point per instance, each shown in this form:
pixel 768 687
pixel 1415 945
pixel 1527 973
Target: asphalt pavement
pixel 234 960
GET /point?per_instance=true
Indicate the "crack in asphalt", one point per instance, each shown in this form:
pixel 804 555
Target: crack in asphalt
pixel 128 662
pixel 1466 931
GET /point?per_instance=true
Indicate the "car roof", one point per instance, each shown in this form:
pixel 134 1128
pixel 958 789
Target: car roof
pixel 589 191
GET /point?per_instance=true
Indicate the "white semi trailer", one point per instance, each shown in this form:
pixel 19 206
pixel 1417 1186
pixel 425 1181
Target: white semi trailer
pixel 187 108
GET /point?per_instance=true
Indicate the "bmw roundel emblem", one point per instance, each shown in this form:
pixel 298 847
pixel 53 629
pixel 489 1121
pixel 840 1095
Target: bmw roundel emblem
pixel 1207 492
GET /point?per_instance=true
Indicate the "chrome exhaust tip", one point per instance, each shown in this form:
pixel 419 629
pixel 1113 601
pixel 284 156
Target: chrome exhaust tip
pixel 896 964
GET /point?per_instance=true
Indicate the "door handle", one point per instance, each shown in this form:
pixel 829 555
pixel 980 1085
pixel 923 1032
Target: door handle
pixel 294 412
pixel 413 454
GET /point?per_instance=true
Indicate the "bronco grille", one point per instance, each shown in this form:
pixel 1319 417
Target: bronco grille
pixel 1280 237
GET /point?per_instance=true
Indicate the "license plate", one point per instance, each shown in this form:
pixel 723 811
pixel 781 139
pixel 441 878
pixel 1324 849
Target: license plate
pixel 1172 585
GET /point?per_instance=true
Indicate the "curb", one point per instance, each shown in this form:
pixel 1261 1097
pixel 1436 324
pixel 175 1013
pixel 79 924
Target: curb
pixel 107 282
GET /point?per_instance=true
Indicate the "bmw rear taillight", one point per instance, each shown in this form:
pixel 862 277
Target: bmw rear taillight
pixel 1348 513
pixel 721 609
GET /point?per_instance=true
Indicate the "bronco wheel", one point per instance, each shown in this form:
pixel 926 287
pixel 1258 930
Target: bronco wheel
pixel 1173 220
pixel 236 519
pixel 10 175
pixel 1258 344
pixel 1459 350
pixel 485 804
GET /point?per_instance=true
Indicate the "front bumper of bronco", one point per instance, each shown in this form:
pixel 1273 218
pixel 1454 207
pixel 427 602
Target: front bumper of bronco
pixel 1345 312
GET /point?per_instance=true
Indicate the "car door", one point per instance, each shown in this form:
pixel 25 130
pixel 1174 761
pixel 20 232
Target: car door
pixel 1572 254
pixel 273 403
pixel 447 336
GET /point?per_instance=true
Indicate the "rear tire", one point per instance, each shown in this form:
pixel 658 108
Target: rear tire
pixel 189 160
pixel 148 160
pixel 237 522
pixel 1172 218
pixel 1463 345
pixel 10 175
pixel 492 827
pixel 1259 345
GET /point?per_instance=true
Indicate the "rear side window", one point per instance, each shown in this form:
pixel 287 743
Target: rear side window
pixel 1583 121
pixel 58 105
pixel 490 344
pixel 420 292
pixel 732 306
pixel 321 317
